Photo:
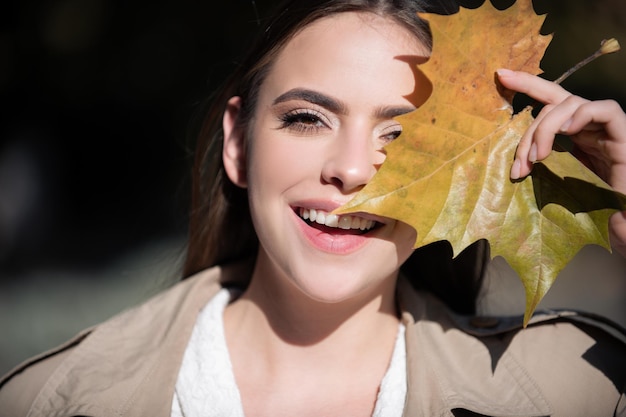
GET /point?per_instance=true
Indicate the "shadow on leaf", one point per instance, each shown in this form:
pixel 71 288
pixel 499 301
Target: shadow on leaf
pixel 573 194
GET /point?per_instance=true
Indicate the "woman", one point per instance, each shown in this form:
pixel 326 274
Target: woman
pixel 305 313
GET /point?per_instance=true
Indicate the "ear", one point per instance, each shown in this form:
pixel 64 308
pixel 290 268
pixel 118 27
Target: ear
pixel 234 150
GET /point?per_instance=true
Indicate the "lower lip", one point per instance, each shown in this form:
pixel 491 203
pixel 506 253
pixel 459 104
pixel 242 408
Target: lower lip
pixel 336 243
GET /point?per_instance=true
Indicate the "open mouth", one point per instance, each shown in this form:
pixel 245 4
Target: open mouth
pixel 333 223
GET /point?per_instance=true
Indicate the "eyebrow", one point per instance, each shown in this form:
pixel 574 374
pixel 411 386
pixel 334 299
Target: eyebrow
pixel 314 97
pixel 336 106
pixel 389 112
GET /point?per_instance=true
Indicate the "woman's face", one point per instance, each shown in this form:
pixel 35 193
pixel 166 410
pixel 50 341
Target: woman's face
pixel 324 113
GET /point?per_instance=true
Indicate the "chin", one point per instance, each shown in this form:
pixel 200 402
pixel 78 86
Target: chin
pixel 343 284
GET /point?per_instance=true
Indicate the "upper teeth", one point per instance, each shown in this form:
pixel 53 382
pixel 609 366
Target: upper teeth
pixel 333 220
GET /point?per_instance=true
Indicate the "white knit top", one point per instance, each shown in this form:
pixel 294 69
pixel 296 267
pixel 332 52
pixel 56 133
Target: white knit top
pixel 206 383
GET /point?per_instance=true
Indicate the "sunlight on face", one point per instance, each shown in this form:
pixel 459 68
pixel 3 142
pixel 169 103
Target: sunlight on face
pixel 324 113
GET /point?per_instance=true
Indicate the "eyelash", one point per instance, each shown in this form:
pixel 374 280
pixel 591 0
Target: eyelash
pixel 392 135
pixel 306 121
pixel 303 121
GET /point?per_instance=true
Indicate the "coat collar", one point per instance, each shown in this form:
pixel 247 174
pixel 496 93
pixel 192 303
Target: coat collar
pixel 450 369
pixel 128 366
pixel 138 354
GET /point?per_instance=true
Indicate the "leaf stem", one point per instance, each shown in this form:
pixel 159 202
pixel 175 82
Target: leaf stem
pixel 607 46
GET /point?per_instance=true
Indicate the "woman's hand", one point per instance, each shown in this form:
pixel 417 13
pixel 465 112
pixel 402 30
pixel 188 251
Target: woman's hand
pixel 597 129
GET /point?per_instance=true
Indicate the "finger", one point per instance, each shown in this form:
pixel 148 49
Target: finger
pixel 523 164
pixel 551 124
pixel 541 90
pixel 544 91
pixel 598 128
pixel 573 115
pixel 604 115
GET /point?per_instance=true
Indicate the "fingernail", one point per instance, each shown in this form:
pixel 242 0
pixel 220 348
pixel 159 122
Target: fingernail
pixel 532 155
pixel 516 169
pixel 503 72
pixel 566 125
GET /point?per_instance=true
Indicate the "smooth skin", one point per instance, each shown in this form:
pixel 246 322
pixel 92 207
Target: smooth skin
pixel 597 129
pixel 313 333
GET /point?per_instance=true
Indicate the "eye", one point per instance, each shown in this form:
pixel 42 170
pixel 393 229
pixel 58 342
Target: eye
pixel 303 121
pixel 389 134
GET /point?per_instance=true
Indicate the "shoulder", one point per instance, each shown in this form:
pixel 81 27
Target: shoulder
pixel 561 333
pixel 571 362
pixel 20 386
pixel 575 358
pixel 153 335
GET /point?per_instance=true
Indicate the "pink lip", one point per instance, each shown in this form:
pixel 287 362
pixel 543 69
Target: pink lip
pixel 339 242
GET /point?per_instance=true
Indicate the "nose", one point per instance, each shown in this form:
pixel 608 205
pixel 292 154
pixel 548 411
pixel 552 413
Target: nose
pixel 352 161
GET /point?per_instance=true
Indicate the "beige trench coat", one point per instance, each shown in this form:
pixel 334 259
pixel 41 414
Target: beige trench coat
pixel 563 364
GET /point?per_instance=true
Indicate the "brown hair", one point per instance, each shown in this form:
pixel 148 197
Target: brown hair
pixel 220 227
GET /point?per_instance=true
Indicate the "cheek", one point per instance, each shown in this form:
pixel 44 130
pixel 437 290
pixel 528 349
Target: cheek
pixel 281 161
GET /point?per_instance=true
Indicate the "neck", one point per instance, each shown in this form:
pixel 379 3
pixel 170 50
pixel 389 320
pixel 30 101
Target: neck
pixel 274 312
pixel 276 334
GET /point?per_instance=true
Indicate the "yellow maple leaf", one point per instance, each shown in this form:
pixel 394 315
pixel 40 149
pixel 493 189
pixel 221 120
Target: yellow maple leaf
pixel 447 175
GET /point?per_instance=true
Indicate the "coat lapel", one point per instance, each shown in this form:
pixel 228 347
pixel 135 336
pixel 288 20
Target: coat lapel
pixel 129 365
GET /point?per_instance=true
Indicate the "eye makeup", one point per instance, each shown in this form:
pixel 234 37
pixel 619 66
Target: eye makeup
pixel 303 121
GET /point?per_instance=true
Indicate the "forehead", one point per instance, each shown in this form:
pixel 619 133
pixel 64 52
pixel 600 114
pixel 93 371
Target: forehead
pixel 346 50
pixel 344 24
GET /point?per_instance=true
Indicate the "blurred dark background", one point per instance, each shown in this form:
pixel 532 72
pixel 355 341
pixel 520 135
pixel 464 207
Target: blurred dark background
pixel 97 96
pixel 97 99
